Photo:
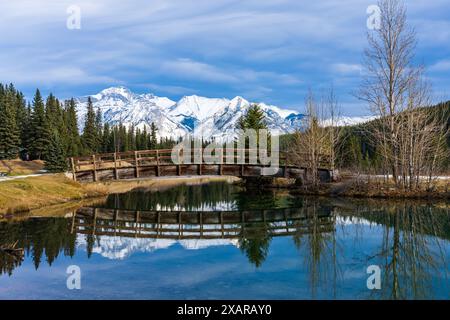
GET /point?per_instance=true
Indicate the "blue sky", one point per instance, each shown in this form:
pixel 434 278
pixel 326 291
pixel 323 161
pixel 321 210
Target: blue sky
pixel 271 51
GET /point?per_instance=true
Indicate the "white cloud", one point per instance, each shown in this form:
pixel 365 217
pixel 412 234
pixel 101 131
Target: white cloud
pixel 189 69
pixel 347 68
pixel 441 66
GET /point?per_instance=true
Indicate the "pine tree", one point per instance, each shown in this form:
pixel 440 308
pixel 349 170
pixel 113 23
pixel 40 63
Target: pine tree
pixel 39 128
pixel 253 119
pixel 22 119
pixel 99 129
pixel 56 156
pixel 9 132
pixel 144 139
pixel 153 138
pixel 89 138
pixel 73 147
pixel 26 134
pixel 106 145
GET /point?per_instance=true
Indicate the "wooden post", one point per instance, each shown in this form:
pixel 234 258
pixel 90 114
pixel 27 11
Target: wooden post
pixel 95 168
pixel 159 225
pixel 116 173
pixel 116 216
pixel 73 222
pixel 136 164
pixel 157 164
pixel 201 224
pixel 137 225
pixel 94 226
pixel 74 174
pixel 180 227
pixel 221 223
pixel 242 170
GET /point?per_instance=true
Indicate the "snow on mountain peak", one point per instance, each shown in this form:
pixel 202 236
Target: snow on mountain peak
pixel 211 117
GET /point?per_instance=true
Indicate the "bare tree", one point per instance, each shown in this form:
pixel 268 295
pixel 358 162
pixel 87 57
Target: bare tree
pixel 396 93
pixel 312 145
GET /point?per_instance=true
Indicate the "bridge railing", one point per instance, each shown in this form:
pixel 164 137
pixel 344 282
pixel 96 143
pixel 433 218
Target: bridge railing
pixel 163 157
pixel 200 224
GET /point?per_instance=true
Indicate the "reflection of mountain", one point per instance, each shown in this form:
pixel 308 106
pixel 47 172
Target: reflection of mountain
pixel 112 247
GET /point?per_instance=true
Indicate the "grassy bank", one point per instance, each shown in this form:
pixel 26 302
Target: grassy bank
pixel 55 192
pixel 35 192
pixel 357 188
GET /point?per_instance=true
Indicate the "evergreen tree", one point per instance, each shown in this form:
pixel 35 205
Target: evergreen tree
pixel 99 129
pixel 73 145
pixel 107 145
pixel 144 139
pixel 9 132
pixel 56 156
pixel 253 119
pixel 26 135
pixel 131 139
pixel 89 138
pixel 40 128
pixel 153 138
pixel 22 119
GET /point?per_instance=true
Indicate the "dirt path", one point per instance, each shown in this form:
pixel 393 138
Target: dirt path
pixel 2 179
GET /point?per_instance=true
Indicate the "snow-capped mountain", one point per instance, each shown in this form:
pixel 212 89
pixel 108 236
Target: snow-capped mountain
pixel 200 116
pixel 343 121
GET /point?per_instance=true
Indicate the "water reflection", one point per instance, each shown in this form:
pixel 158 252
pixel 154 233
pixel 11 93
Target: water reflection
pixel 334 240
pixel 412 250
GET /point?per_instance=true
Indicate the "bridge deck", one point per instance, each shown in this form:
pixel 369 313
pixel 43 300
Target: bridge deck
pixel 179 225
pixel 155 163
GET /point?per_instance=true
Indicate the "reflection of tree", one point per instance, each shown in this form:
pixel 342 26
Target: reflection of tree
pixel 317 240
pixel 188 197
pixel 9 262
pixel 257 199
pixel 412 257
pixel 411 253
pixel 45 237
pixel 255 242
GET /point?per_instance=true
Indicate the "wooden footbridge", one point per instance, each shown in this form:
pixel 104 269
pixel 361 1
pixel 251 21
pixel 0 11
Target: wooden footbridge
pixel 158 163
pixel 180 225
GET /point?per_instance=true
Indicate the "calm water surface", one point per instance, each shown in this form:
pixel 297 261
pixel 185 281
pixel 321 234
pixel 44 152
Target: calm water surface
pixel 217 241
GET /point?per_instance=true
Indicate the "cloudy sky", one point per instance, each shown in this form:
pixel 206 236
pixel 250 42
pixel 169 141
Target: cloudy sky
pixel 263 50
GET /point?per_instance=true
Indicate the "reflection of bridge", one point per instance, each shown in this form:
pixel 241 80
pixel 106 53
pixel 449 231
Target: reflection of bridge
pixel 179 225
pixel 154 163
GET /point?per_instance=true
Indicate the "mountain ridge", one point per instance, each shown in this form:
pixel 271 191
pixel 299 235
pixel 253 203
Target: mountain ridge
pixel 200 116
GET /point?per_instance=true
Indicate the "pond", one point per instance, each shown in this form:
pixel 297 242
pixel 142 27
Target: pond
pixel 219 241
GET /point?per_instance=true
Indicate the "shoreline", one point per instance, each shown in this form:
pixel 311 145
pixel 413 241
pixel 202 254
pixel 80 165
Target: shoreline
pixel 349 187
pixel 58 192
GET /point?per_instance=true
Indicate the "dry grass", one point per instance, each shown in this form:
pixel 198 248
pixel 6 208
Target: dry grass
pixel 36 192
pixel 18 167
pixel 153 183
pixel 52 194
